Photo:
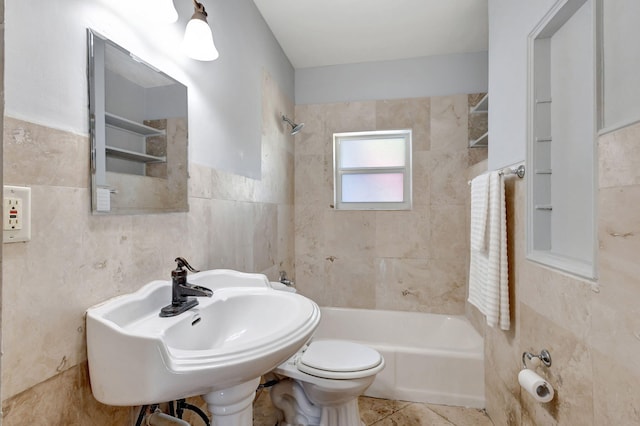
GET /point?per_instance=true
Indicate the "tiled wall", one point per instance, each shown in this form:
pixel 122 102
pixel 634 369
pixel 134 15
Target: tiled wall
pixel 403 260
pixel 75 260
pixel 591 329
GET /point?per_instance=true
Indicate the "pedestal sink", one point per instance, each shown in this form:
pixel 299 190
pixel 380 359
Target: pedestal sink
pixel 218 349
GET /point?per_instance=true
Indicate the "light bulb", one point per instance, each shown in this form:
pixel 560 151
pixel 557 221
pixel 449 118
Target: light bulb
pixel 198 39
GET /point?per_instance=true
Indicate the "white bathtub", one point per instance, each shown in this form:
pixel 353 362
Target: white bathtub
pixel 429 357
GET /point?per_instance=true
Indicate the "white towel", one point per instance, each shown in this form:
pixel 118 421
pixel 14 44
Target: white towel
pixel 488 274
pixel 479 212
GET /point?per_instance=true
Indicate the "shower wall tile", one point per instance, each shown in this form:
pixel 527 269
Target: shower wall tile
pixel 310 141
pixel 347 291
pixel 349 117
pixel 449 116
pixel 407 241
pixel 422 285
pixel 265 237
pixel 285 240
pixel 75 260
pixel 422 162
pixel 449 183
pixel 448 237
pixel 426 247
pixel 310 178
pixel 312 279
pixel 414 114
pixel 350 234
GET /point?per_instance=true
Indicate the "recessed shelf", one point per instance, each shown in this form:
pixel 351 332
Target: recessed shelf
pixel 543 139
pixel 481 107
pixel 543 207
pixel 122 123
pixel 543 101
pixel 543 171
pixel 481 142
pixel 133 156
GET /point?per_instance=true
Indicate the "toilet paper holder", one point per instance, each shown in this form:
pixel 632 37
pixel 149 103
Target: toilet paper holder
pixel 544 356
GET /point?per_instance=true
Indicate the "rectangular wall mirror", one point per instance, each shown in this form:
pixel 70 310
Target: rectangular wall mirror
pixel 138 130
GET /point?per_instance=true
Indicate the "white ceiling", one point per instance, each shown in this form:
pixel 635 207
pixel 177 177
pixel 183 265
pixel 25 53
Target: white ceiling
pixel 329 32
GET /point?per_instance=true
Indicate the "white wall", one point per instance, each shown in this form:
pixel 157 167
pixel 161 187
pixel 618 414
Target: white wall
pixel 622 62
pixel 410 78
pixel 46 61
pixel 510 23
pixel 572 129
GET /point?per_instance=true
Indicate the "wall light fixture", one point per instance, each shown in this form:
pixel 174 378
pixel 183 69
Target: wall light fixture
pixel 198 38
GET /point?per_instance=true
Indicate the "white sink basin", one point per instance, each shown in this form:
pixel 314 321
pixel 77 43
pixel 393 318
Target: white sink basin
pixel 243 331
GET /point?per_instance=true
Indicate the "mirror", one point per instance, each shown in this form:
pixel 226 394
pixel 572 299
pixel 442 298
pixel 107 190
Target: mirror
pixel 138 131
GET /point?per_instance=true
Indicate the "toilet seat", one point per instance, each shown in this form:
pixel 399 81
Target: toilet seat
pixel 336 359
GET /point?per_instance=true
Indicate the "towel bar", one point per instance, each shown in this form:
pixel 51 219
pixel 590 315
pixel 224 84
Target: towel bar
pixel 518 171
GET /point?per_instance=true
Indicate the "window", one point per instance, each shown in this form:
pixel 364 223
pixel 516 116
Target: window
pixel 372 170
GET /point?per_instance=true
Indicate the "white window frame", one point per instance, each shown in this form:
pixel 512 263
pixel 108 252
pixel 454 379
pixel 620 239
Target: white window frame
pixel 405 170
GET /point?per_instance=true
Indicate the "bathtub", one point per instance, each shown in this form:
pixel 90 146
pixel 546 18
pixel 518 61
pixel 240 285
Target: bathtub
pixel 429 357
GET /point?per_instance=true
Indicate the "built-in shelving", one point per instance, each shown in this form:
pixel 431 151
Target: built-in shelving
pixel 482 141
pixel 122 123
pixel 480 109
pixel 138 129
pixel 482 106
pixel 133 156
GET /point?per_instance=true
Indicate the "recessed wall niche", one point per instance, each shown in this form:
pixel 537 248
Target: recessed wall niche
pixel 561 140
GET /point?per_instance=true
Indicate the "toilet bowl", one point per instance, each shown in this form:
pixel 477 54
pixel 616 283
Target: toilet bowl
pixel 323 382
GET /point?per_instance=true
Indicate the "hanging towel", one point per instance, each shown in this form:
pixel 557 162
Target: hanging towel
pixel 488 274
pixel 479 212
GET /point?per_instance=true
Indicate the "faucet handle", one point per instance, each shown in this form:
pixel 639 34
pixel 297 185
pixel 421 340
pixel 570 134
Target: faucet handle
pixel 182 263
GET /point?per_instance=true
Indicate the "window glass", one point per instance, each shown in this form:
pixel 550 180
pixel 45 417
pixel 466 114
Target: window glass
pixel 372 153
pixel 372 170
pixel 375 187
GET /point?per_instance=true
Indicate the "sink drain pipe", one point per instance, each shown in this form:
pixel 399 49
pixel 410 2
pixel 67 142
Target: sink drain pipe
pixel 158 418
pixel 162 419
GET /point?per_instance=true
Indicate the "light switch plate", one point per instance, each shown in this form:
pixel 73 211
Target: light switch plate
pixel 16 214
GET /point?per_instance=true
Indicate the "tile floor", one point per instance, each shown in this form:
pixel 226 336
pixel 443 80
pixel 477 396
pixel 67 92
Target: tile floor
pixel 384 412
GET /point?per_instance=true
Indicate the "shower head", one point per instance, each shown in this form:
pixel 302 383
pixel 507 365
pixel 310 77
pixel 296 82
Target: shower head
pixel 295 128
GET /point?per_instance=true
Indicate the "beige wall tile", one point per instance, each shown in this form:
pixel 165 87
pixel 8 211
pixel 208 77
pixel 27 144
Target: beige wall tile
pixel 590 328
pixel 39 155
pixel 411 240
pixel 423 285
pixel 619 157
pixel 411 114
pixel 430 241
pixel 63 400
pixel 615 391
pixel 449 116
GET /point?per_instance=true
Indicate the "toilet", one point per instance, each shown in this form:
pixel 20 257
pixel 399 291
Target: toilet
pixel 322 383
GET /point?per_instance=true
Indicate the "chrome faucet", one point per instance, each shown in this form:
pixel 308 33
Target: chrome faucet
pixel 286 281
pixel 181 290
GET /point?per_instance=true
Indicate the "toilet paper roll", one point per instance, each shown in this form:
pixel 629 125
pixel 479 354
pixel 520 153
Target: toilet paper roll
pixel 538 387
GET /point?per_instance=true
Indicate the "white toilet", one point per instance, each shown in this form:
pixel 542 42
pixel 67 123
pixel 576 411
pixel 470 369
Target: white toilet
pixel 324 380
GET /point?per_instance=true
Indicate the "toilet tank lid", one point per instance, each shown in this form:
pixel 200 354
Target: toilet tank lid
pixel 340 356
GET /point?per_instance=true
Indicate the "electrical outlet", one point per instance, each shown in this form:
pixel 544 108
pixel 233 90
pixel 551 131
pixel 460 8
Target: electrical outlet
pixel 16 214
